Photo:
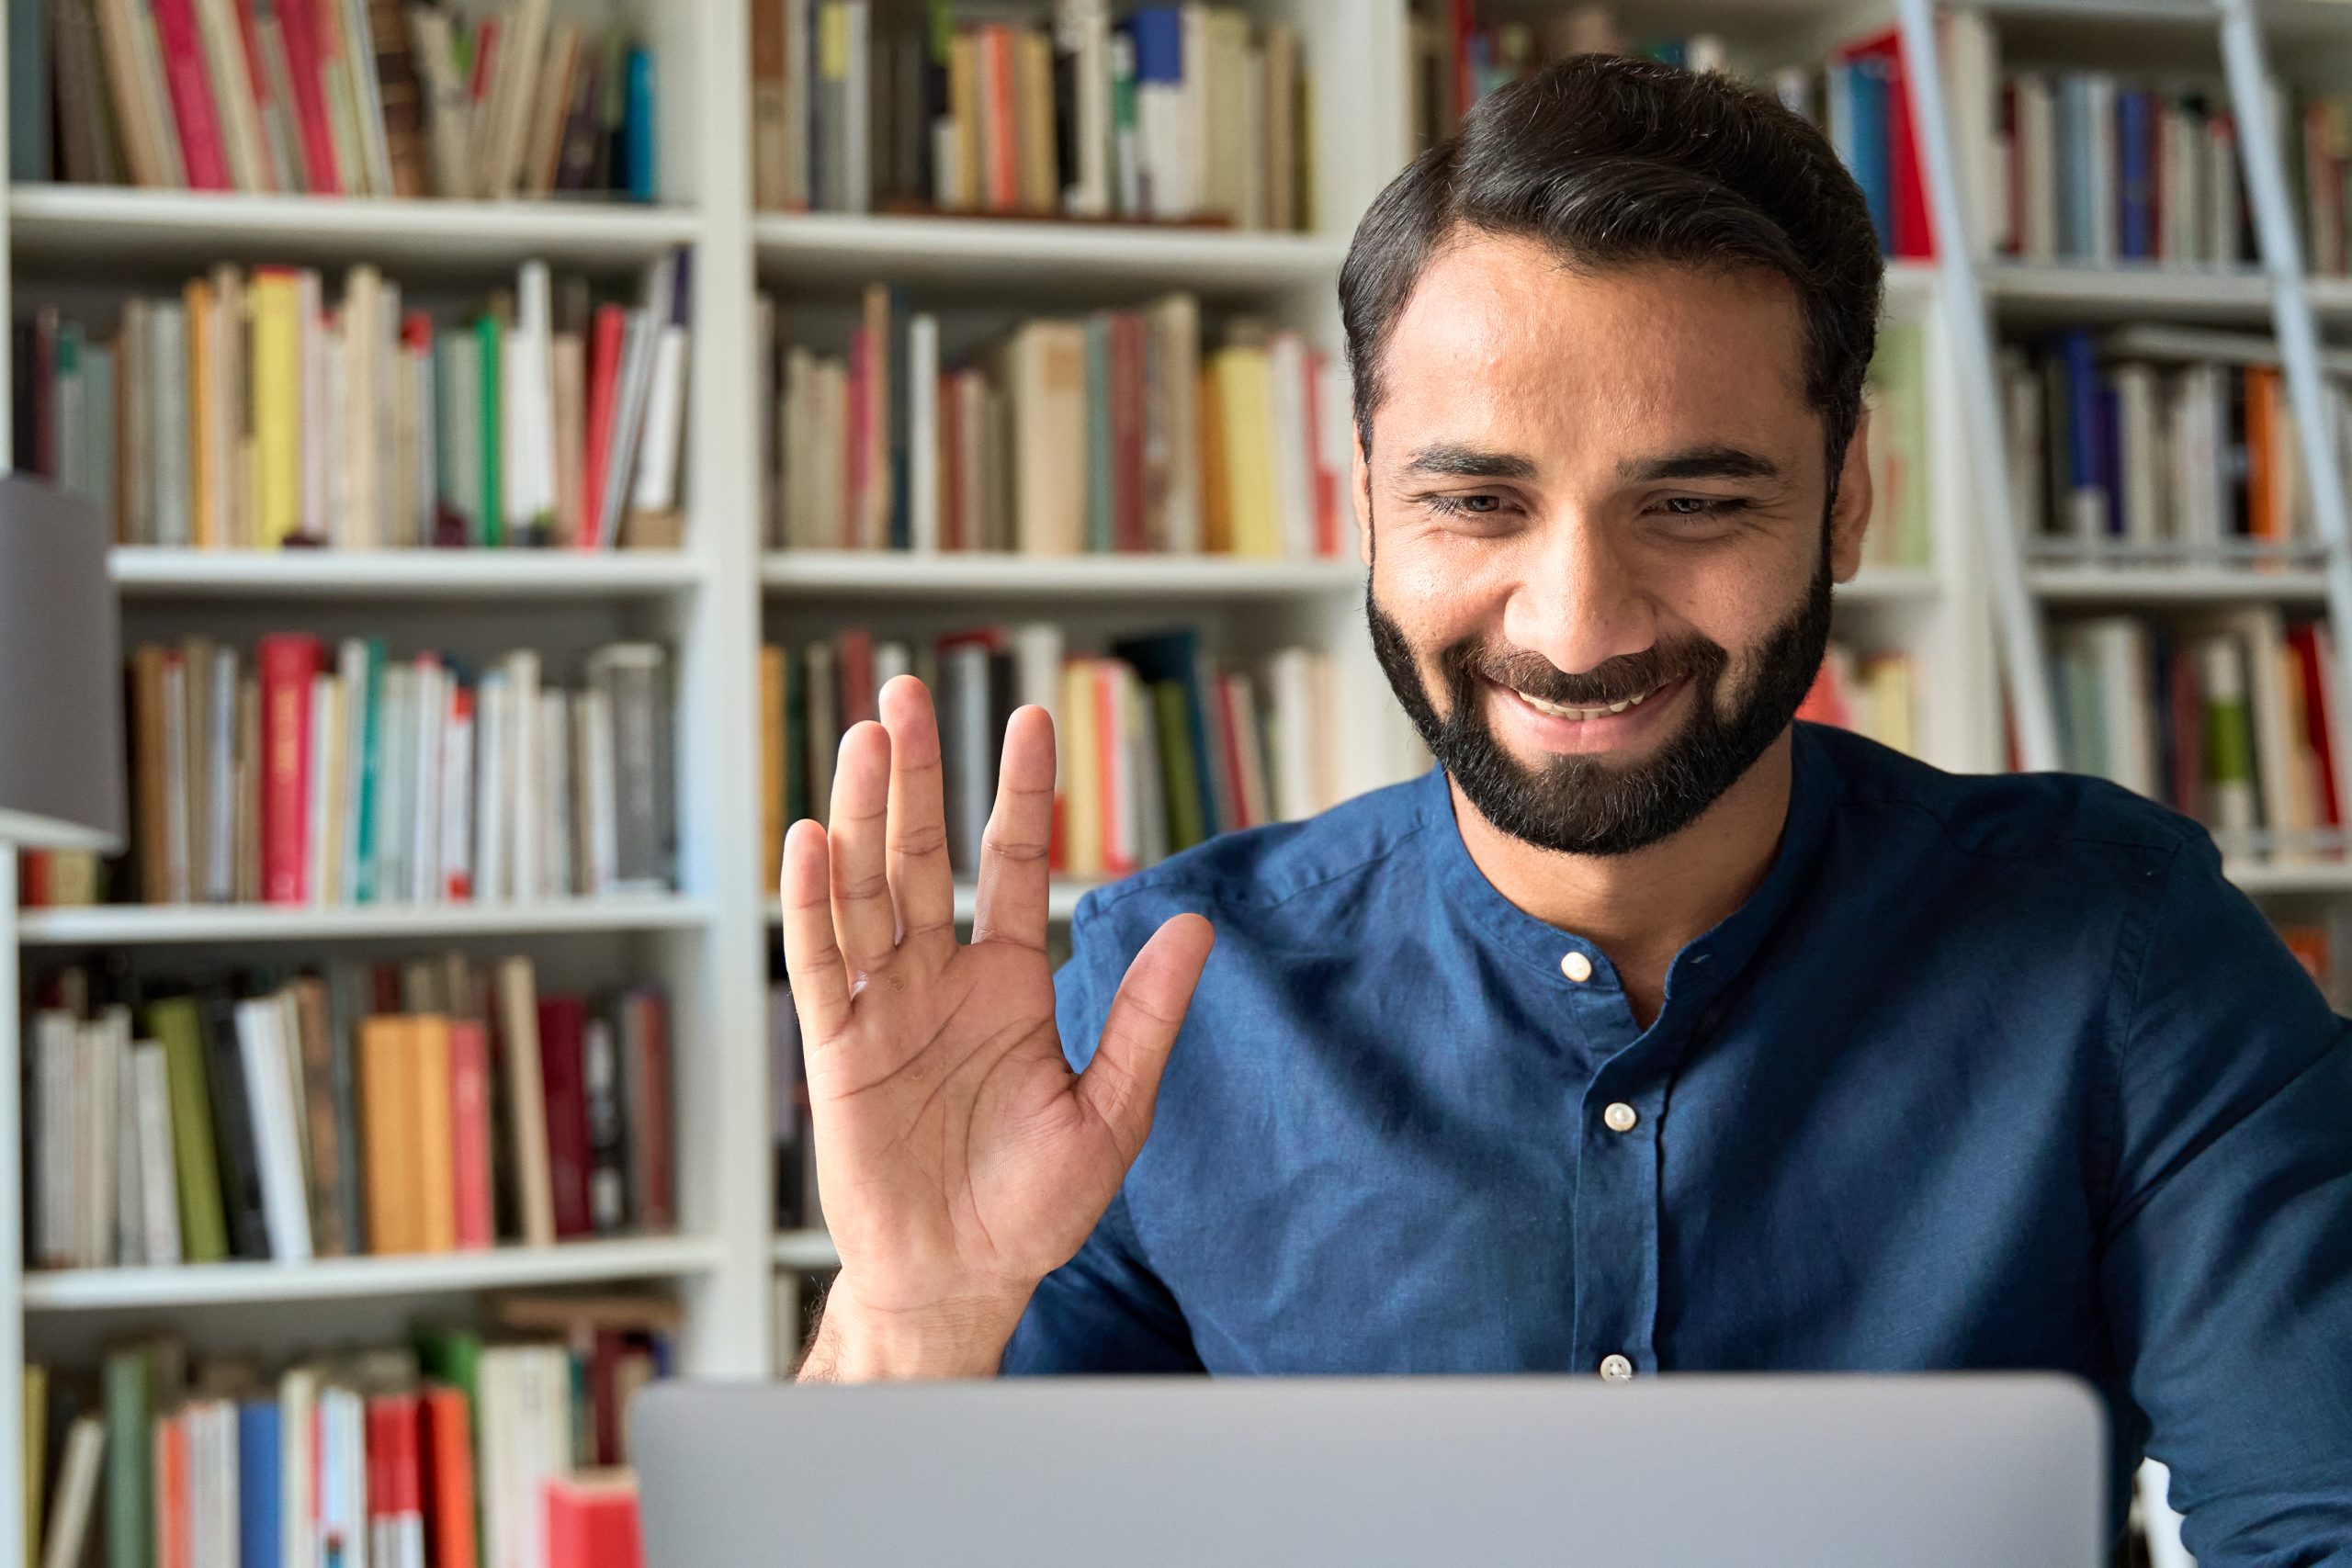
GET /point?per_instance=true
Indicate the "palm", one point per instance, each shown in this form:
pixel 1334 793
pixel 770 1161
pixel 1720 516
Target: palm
pixel 956 1151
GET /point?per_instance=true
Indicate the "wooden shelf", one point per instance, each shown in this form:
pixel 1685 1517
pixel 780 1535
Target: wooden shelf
pixel 1061 900
pixel 207 1283
pixel 989 575
pixel 2174 585
pixel 811 1249
pixel 843 250
pixel 115 224
pixel 147 573
pixel 118 924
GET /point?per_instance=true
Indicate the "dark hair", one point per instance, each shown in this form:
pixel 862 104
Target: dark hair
pixel 1614 160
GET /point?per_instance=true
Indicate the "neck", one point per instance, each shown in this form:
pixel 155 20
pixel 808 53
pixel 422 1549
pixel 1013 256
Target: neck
pixel 1643 907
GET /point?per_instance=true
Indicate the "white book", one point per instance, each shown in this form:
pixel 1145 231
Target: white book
pixel 262 1048
pixel 923 431
pixel 353 375
pixel 395 781
pixel 552 788
pixel 1082 31
pixel 2140 451
pixel 168 431
pixel 1150 804
pixel 177 829
pixel 529 391
pixel 220 884
pixel 601 829
pixel 668 300
pixel 457 796
pixel 891 659
pixel 1293 445
pixel 1126 148
pixel 76 1492
pixel 131 1149
pixel 2119 650
pixel 629 419
pixel 56 1044
pixel 326 788
pixel 2037 142
pixel 519 792
pixel 99 1100
pixel 1290 691
pixel 334 421
pixel 459 388
pixel 491 709
pixel 298 1395
pixel 352 669
pixel 2105 184
pixel 429 773
pixel 159 1201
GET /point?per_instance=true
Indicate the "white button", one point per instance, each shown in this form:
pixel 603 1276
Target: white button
pixel 1616 1369
pixel 1620 1116
pixel 1577 967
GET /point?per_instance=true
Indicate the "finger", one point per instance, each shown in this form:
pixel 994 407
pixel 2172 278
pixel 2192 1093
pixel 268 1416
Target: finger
pixel 1122 1084
pixel 921 880
pixel 1010 906
pixel 863 921
pixel 811 960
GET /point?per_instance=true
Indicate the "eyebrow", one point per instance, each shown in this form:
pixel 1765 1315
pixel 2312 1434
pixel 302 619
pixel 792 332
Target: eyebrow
pixel 1715 462
pixel 1451 461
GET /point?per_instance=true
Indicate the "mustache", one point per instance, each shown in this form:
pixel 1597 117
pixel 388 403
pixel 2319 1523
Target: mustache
pixel 1620 678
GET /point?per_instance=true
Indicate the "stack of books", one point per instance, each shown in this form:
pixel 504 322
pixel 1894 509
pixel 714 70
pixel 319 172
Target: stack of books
pixel 2153 444
pixel 1188 113
pixel 248 411
pixel 287 777
pixel 348 98
pixel 433 1107
pixel 2229 716
pixel 1858 94
pixel 1158 749
pixel 458 1449
pixel 1112 432
pixel 1876 695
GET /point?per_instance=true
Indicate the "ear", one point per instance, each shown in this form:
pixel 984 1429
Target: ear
pixel 1851 514
pixel 1360 488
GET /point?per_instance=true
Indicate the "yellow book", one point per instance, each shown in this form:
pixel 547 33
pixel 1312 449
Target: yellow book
pixel 436 1209
pixel 203 419
pixel 964 113
pixel 1082 773
pixel 387 1085
pixel 1034 104
pixel 278 406
pixel 772 822
pixel 1245 398
pixel 36 1436
pixel 1217 499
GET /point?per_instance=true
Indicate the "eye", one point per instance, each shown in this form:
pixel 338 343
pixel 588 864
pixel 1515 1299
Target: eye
pixel 1702 506
pixel 1480 505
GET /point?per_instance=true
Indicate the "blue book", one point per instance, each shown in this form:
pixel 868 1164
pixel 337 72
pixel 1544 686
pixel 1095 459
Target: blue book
pixel 636 124
pixel 2134 131
pixel 1158 33
pixel 2111 455
pixel 1873 169
pixel 28 93
pixel 2079 363
pixel 259 1486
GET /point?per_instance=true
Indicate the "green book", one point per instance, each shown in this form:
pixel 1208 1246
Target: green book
pixel 1180 772
pixel 130 1454
pixel 367 887
pixel 490 336
pixel 204 1229
pixel 452 1356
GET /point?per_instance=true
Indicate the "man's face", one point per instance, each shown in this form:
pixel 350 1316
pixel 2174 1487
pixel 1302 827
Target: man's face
pixel 1601 580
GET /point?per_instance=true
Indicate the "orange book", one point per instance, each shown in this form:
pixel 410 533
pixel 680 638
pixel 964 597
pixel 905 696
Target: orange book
pixel 207 521
pixel 2262 490
pixel 171 1492
pixel 470 1134
pixel 1216 505
pixel 437 1193
pixel 387 1088
pixel 449 1462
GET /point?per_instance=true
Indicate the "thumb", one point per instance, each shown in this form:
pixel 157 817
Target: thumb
pixel 1121 1085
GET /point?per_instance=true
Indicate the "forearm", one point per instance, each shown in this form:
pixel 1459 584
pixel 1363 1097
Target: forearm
pixel 961 1338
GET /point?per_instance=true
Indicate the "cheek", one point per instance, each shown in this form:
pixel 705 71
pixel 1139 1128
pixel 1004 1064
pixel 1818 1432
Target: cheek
pixel 1437 601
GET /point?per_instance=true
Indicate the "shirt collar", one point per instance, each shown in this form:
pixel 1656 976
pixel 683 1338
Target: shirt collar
pixel 1705 964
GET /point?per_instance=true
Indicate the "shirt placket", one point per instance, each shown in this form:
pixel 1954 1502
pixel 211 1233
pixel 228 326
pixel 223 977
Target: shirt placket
pixel 1616 1176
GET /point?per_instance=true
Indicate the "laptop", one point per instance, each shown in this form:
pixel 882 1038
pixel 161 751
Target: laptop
pixel 1943 1471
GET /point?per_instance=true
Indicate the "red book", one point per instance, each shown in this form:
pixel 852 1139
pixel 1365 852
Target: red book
pixel 459 878
pixel 853 658
pixel 563 1022
pixel 1914 239
pixel 648 1076
pixel 469 1131
pixel 592 1522
pixel 287 663
pixel 448 1455
pixel 603 379
pixel 2318 679
pixel 1460 21
pixel 257 81
pixel 193 111
pixel 1128 390
pixel 1111 770
pixel 395 1479
pixel 298 29
pixel 1000 114
pixel 1226 741
pixel 1327 483
pixel 604 1352
pixel 32 878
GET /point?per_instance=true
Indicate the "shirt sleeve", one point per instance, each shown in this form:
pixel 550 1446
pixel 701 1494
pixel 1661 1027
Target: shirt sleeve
pixel 2227 1252
pixel 1104 1311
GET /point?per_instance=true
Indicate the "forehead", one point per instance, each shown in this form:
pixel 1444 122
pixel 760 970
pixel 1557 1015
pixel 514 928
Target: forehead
pixel 1501 338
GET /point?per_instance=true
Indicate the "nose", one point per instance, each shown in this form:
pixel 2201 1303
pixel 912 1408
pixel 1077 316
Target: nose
pixel 1578 602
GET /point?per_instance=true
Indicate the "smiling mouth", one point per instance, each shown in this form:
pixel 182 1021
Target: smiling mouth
pixel 1584 714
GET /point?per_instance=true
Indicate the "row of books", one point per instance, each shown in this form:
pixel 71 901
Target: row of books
pixel 1873 695
pixel 459 1448
pixel 297 776
pixel 437 1106
pixel 249 410
pixel 331 97
pixel 1186 112
pixel 1858 94
pixel 1157 748
pixel 2159 444
pixel 1113 432
pixel 2230 716
pixel 1896 445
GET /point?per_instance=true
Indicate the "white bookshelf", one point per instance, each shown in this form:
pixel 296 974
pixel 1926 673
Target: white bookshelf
pixel 293 576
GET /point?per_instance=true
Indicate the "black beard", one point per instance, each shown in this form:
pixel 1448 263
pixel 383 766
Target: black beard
pixel 1585 806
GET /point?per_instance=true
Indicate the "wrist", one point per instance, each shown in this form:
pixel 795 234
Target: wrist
pixel 962 1336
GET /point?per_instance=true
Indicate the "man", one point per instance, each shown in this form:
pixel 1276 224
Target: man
pixel 1650 1030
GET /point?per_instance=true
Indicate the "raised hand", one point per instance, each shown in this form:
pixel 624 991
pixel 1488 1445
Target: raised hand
pixel 959 1160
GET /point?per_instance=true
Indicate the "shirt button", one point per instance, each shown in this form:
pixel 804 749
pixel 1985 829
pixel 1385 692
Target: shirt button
pixel 1577 967
pixel 1620 1116
pixel 1616 1369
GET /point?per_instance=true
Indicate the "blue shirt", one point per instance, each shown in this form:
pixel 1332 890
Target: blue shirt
pixel 1989 1072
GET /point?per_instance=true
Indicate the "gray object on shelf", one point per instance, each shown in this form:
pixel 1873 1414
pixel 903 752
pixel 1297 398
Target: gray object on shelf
pixel 60 693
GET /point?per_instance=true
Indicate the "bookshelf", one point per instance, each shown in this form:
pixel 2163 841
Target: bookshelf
pixel 1975 603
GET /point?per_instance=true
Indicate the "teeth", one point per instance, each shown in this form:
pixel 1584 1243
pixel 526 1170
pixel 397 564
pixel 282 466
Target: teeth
pixel 1559 711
